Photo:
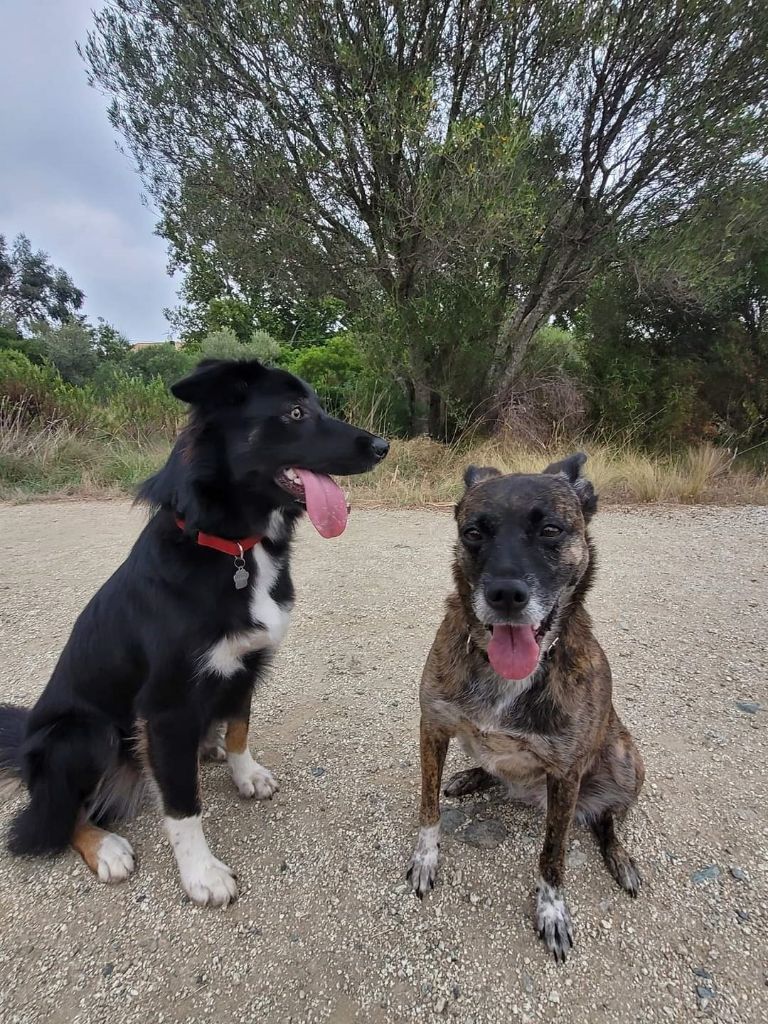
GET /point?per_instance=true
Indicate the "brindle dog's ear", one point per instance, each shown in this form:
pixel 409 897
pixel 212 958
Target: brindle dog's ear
pixel 476 474
pixel 571 468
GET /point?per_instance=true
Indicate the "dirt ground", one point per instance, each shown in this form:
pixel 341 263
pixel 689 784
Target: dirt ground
pixel 325 928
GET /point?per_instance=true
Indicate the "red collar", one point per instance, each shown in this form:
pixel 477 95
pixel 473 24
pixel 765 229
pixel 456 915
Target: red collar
pixel 228 547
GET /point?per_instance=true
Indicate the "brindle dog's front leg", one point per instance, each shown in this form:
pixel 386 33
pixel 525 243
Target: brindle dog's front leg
pixel 423 866
pixel 553 919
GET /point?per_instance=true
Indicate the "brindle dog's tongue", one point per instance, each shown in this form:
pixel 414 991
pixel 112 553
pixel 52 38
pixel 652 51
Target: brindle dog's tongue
pixel 513 651
pixel 325 501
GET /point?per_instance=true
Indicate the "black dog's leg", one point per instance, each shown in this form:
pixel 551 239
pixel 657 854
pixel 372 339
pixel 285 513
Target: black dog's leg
pixel 553 919
pixel 173 742
pixel 251 778
pixel 64 765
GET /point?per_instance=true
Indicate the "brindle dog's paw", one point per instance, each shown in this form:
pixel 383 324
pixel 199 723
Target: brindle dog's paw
pixel 422 869
pixel 553 921
pixel 625 871
pixel 473 780
pixel 213 747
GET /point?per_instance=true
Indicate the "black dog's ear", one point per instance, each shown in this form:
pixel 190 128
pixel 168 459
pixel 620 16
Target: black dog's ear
pixel 476 474
pixel 571 468
pixel 218 382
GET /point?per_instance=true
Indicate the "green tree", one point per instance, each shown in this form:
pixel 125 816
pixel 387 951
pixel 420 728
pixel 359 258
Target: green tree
pixel 109 343
pixel 32 289
pixel 70 348
pixel 390 152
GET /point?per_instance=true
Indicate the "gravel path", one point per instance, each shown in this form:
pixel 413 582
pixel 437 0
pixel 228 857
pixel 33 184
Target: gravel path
pixel 325 928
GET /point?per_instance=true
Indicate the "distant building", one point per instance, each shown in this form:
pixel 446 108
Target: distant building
pixel 162 341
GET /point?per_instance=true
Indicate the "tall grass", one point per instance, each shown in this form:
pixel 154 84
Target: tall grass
pixel 57 460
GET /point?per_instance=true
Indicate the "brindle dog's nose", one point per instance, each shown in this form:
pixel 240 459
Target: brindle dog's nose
pixel 507 596
pixel 380 447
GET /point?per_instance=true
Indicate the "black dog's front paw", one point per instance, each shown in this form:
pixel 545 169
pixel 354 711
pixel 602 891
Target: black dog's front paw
pixel 553 921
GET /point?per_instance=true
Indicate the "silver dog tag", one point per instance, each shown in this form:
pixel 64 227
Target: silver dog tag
pixel 241 578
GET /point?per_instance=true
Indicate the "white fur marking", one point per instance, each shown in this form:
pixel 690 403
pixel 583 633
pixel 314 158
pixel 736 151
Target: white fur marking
pixel 423 865
pixel 225 658
pixel 553 919
pixel 115 860
pixel 532 615
pixel 250 777
pixel 205 879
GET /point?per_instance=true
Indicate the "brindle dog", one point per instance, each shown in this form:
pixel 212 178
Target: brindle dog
pixel 517 676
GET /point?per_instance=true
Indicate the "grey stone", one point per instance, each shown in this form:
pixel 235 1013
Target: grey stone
pixel 705 874
pixel 702 972
pixel 738 873
pixel 318 770
pixel 486 834
pixel 749 707
pixel 452 819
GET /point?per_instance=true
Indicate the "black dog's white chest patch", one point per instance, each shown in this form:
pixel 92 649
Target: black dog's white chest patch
pixel 270 621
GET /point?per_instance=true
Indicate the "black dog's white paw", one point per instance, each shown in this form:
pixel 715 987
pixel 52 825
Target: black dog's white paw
pixel 422 869
pixel 553 921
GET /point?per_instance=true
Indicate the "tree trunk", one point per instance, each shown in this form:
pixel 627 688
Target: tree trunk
pixel 420 407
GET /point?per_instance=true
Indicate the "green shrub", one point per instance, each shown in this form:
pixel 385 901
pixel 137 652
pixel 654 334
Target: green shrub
pixel 139 409
pixel 163 360
pixel 39 393
pixel 225 344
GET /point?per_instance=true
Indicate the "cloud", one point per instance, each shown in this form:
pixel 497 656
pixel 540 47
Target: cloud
pixel 63 181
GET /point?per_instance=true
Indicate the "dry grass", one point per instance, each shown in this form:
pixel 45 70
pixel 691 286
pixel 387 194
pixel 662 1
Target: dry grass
pixel 423 472
pixel 55 461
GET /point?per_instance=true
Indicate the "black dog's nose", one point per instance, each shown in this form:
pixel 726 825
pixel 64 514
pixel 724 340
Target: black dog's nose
pixel 507 595
pixel 380 447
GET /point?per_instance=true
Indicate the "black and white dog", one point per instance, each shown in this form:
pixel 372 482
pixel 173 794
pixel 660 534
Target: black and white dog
pixel 170 647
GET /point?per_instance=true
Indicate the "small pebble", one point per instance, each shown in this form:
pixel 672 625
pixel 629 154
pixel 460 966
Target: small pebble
pixel 702 972
pixel 738 873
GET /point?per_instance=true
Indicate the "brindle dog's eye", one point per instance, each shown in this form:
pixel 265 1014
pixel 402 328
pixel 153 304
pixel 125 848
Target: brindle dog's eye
pixel 297 413
pixel 472 535
pixel 550 531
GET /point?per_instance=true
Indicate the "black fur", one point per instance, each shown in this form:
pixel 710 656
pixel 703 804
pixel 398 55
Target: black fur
pixel 134 653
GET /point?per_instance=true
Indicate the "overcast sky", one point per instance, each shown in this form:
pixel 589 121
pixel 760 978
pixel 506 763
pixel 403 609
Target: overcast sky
pixel 62 180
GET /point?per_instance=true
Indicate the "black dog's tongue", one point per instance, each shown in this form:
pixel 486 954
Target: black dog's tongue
pixel 325 501
pixel 513 651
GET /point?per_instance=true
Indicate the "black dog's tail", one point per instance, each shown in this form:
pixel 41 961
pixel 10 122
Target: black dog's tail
pixel 13 729
pixel 61 764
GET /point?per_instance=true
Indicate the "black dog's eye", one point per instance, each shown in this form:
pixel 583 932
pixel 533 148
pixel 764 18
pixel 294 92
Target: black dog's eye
pixel 472 535
pixel 550 531
pixel 297 413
